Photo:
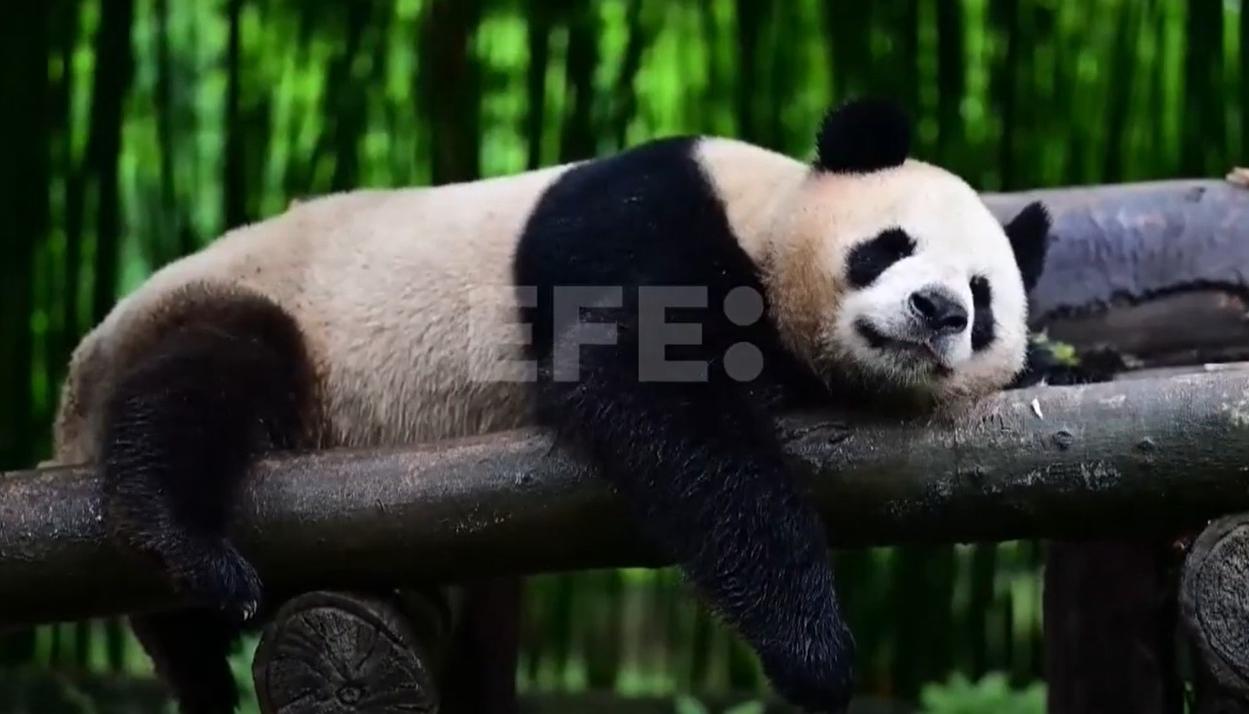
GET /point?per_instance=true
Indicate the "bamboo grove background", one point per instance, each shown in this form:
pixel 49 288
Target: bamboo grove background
pixel 135 131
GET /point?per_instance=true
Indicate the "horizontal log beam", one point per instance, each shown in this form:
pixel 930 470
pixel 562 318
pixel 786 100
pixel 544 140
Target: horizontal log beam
pixel 1156 271
pixel 1132 241
pixel 1143 456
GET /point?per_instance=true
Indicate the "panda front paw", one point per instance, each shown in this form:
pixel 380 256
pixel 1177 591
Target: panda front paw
pixel 217 576
pixel 205 572
pixel 813 671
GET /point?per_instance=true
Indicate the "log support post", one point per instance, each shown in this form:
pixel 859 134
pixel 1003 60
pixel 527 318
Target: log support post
pixel 1214 604
pixel 353 653
pixel 1110 611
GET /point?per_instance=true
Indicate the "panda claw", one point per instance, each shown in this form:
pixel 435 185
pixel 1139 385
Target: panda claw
pixel 248 610
pixel 218 577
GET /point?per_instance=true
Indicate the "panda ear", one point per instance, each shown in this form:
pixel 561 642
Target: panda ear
pixel 863 136
pixel 1029 238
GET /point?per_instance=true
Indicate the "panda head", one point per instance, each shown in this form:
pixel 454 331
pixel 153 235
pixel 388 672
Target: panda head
pixel 893 273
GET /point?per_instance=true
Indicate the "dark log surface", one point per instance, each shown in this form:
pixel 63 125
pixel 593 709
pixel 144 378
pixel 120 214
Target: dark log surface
pixel 1110 628
pixel 1159 271
pixel 1214 599
pixel 1132 241
pixel 1148 456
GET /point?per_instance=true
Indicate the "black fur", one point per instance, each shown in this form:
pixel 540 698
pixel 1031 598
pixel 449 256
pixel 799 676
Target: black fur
pixel 871 258
pixel 479 666
pixel 188 650
pixel 863 136
pixel 983 326
pixel 1029 238
pixel 698 460
pixel 220 380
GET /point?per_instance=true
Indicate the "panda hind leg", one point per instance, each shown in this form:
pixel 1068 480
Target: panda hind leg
pixel 222 379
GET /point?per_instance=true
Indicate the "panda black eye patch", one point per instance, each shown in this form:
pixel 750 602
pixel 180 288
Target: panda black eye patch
pixel 982 326
pixel 980 294
pixel 871 258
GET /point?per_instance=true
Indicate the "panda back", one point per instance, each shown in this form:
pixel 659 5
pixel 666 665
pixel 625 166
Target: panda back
pixel 379 284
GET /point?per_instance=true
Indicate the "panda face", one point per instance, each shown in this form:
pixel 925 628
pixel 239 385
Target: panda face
pixel 901 279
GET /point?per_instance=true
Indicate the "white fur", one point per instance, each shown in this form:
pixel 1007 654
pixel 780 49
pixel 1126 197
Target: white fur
pixel 381 282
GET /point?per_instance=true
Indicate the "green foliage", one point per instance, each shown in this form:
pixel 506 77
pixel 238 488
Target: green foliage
pixel 746 708
pixel 993 694
pixel 689 705
pixel 241 665
pixel 1064 353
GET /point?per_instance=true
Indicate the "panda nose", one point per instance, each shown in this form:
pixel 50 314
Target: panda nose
pixel 940 313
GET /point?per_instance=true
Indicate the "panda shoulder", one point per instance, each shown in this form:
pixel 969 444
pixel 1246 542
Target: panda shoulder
pixel 722 158
pixel 749 182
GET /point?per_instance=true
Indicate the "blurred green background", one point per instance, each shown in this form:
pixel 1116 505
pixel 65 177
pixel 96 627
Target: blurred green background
pixel 135 131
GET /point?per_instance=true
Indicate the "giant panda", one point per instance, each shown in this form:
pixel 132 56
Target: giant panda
pixel 657 308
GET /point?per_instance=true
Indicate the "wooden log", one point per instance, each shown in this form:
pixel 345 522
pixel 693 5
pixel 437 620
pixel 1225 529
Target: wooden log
pixel 1109 629
pixel 1155 270
pixel 1120 243
pixel 350 653
pixel 1150 457
pixel 1214 601
pixel 1154 273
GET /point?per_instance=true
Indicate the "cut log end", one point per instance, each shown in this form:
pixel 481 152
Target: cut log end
pixel 1215 604
pixel 338 653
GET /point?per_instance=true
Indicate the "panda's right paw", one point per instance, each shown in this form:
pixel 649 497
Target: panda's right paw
pixel 813 671
pixel 204 570
pixel 217 576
